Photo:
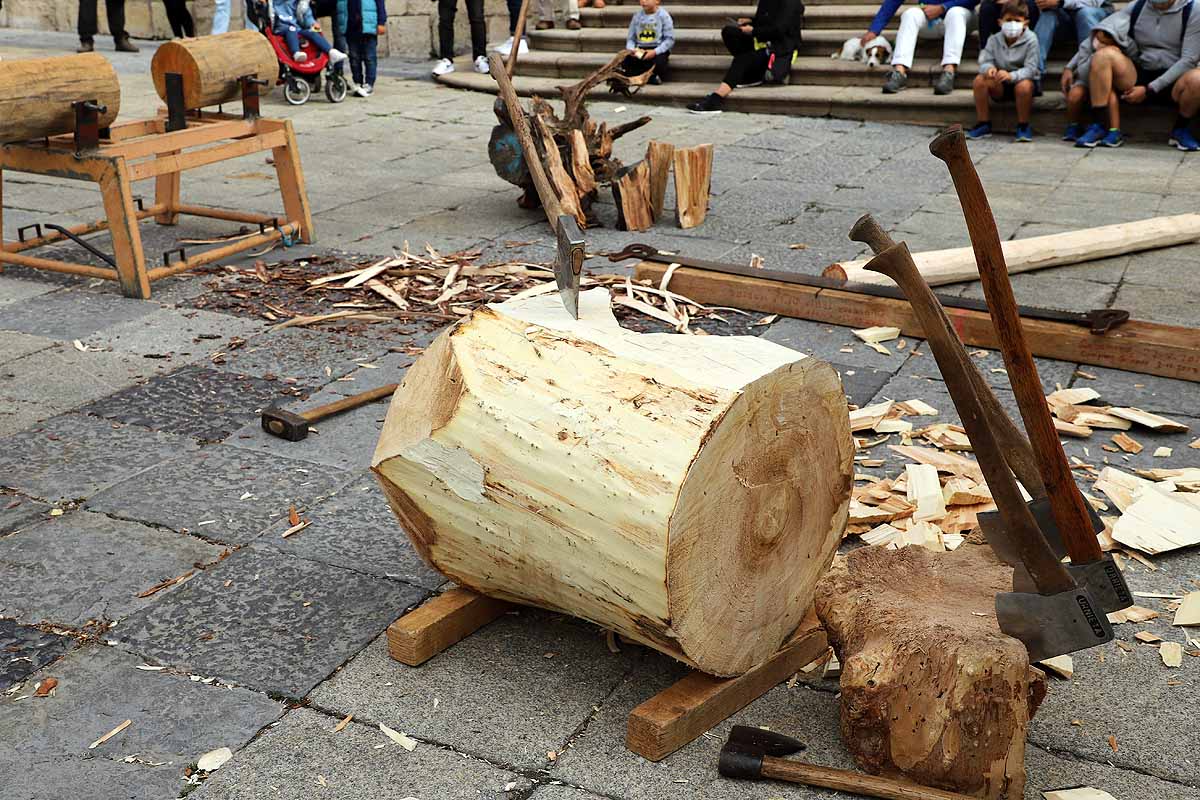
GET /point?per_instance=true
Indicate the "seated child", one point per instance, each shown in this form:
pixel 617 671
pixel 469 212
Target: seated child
pixel 651 37
pixel 1113 31
pixel 293 19
pixel 1008 69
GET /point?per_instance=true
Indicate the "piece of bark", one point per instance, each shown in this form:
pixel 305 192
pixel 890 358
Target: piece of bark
pixel 524 457
pixel 693 178
pixel 931 689
pixel 659 156
pixel 560 180
pixel 631 193
pixel 581 165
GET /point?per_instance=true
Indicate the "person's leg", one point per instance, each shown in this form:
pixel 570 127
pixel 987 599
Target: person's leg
pixel 545 14
pixel 514 11
pixel 370 57
pixel 989 18
pixel 1111 70
pixel 220 20
pixel 1114 110
pixel 1077 102
pixel 354 49
pixel 115 11
pixel 317 39
pixel 87 24
pixel 573 9
pixel 291 37
pixel 1024 92
pixel 479 27
pixel 958 21
pixel 1186 93
pixel 632 65
pixel 662 66
pixel 1046 30
pixel 912 21
pixel 1085 19
pixel 447 9
pixel 984 90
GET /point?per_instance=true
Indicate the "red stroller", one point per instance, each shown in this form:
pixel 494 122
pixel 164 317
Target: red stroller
pixel 299 78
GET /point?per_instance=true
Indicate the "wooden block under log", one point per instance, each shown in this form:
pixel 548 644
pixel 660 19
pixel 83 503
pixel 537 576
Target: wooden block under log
pixel 659 156
pixel 36 94
pixel 212 66
pixel 698 702
pixel 631 192
pixel 441 623
pixel 693 177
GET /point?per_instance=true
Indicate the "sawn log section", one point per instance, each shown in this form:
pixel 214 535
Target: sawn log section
pixel 1148 347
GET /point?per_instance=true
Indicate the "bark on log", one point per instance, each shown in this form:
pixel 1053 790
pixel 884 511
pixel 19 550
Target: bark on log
pixel 693 177
pixel 581 164
pixel 561 182
pixel 1039 252
pixel 212 65
pixel 36 94
pixel 659 156
pixel 686 492
pixel 631 194
pixel 932 691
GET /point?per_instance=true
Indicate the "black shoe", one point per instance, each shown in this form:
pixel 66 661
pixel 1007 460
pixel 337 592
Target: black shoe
pixel 944 83
pixel 124 45
pixel 655 80
pixel 709 105
pixel 896 81
pixel 87 46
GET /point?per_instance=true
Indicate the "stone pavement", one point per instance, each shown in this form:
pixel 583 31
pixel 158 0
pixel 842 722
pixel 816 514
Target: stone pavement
pixel 135 458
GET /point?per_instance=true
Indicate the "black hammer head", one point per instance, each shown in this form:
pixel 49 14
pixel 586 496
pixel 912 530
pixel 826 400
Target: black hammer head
pixel 284 424
pixel 742 755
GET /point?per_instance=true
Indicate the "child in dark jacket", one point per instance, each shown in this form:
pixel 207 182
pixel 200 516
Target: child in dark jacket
pixel 1008 69
pixel 362 22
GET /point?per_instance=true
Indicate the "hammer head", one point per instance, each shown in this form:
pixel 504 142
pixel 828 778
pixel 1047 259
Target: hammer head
pixel 1054 624
pixel 284 424
pixel 743 753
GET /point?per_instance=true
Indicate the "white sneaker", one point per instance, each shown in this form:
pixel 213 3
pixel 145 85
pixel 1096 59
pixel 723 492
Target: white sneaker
pixel 362 91
pixel 369 89
pixel 299 56
pixel 444 66
pixel 481 65
pixel 337 56
pixel 505 48
pixel 524 48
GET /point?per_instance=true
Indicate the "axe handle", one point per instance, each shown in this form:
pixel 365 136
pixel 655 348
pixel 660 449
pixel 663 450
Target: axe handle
pixel 1066 502
pixel 841 780
pixel 346 403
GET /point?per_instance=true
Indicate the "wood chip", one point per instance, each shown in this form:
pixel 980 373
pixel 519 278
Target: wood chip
pixel 1162 452
pixel 922 534
pixel 964 491
pixel 1072 397
pixel 925 492
pixel 214 759
pixel 893 426
pixel 45 687
pixel 1147 637
pixel 951 463
pixel 1071 429
pixel 296 528
pixel 1091 418
pixel 1080 793
pixel 1158 522
pixel 882 534
pixel 877 334
pixel 388 293
pixel 1132 614
pixel 1112 742
pixel 293 516
pixel 110 734
pixel 1062 666
pixel 917 408
pixel 402 739
pixel 1171 654
pixel 868 417
pixel 946 436
pixel 1127 443
pixel 341 726
pixel 1148 420
pixel 1188 612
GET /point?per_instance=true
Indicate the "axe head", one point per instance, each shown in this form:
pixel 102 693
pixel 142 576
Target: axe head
pixel 284 424
pixel 743 753
pixel 1052 625
pixel 568 264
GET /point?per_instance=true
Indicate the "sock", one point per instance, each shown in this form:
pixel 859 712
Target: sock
pixel 1181 123
pixel 1100 116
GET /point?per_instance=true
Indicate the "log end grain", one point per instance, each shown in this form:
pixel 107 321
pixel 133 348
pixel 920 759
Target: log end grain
pixel 211 66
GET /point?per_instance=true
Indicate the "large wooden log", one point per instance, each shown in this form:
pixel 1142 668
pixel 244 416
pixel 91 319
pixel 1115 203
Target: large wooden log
pixel 1039 252
pixel 36 94
pixel 211 66
pixel 931 690
pixel 686 492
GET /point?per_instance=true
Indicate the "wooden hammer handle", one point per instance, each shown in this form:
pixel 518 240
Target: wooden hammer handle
pixel 841 780
pixel 346 403
pixel 1066 501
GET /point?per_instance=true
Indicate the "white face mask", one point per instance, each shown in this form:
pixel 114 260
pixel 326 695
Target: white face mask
pixel 1012 29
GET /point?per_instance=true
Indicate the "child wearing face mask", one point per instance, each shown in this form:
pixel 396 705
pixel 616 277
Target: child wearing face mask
pixel 1111 32
pixel 1008 70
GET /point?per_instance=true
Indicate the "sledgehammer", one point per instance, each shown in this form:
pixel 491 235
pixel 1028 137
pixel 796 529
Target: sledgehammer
pixel 755 754
pixel 294 427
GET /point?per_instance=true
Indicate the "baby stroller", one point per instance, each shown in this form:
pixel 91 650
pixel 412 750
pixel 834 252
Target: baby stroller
pixel 299 78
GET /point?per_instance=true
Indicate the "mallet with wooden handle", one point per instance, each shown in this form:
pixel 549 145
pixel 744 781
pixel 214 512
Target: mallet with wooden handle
pixel 294 427
pixel 1067 505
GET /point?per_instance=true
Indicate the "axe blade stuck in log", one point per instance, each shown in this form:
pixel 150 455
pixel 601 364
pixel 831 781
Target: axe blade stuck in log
pixel 568 264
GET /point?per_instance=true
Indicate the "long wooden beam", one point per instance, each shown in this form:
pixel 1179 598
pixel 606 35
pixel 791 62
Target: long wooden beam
pixel 1151 348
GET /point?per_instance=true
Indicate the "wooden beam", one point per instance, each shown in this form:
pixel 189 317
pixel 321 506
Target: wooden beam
pixel 698 702
pixel 1148 347
pixel 440 624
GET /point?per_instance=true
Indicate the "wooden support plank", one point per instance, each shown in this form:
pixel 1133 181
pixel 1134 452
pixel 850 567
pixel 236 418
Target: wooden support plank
pixel 291 178
pixel 117 191
pixel 191 136
pixel 693 179
pixel 659 156
pixel 440 624
pixel 79 230
pixel 698 702
pixel 194 159
pixel 166 192
pixel 1151 348
pixel 65 267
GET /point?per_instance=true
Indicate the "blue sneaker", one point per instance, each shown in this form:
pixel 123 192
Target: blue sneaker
pixel 1113 138
pixel 1073 132
pixel 1024 133
pixel 1091 137
pixel 981 131
pixel 1183 139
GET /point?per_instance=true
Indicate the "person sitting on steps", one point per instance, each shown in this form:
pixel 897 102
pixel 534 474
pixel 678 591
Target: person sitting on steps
pixel 1164 72
pixel 650 39
pixel 1060 18
pixel 1110 32
pixel 546 15
pixel 950 21
pixel 774 30
pixel 1008 69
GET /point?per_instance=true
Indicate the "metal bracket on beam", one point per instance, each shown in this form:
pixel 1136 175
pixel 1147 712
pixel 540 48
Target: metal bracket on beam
pixel 250 96
pixel 176 110
pixel 87 125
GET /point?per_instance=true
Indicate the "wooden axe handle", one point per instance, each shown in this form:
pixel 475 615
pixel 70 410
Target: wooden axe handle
pixel 841 780
pixel 346 403
pixel 1066 501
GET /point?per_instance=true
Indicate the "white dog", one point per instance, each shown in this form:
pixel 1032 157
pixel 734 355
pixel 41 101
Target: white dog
pixel 875 53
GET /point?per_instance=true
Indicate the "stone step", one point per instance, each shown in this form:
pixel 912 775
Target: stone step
pixel 915 106
pixel 716 16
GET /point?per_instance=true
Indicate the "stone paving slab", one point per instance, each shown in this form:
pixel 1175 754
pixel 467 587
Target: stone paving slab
pixel 222 493
pixel 36 777
pixel 17 345
pixel 17 415
pixel 173 336
pixel 1173 305
pixel 62 377
pixel 386 369
pixel 308 357
pixel 270 621
pixel 70 315
pixel 195 401
pixel 74 456
pixel 15 290
pixel 1166 396
pixel 513 690
pixel 18 512
pixel 82 566
pixel 286 760
pixel 1055 291
pixel 174 720
pixel 356 529
pixel 25 649
pixel 1054 374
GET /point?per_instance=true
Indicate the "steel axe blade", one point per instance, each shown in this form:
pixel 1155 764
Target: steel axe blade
pixel 568 265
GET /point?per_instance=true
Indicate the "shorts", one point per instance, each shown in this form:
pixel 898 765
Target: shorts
pixel 1009 93
pixel 1145 76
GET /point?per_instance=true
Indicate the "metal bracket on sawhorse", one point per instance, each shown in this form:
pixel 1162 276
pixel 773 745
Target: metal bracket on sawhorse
pixel 250 95
pixel 176 110
pixel 87 125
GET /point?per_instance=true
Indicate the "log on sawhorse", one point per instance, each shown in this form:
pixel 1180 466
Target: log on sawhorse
pixel 656 728
pixel 1151 348
pixel 145 149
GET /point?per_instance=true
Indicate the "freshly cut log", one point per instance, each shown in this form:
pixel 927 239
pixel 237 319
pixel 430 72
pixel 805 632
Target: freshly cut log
pixel 686 492
pixel 1038 252
pixel 693 180
pixel 36 94
pixel 211 66
pixel 659 156
pixel 931 690
pixel 631 194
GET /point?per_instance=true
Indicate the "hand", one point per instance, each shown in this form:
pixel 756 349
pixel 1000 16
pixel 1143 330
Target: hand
pixel 1068 78
pixel 747 28
pixel 1003 75
pixel 743 21
pixel 316 27
pixel 933 12
pixel 381 30
pixel 1045 5
pixel 991 73
pixel 1135 95
pixel 867 37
